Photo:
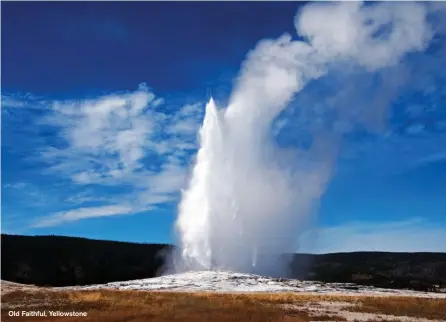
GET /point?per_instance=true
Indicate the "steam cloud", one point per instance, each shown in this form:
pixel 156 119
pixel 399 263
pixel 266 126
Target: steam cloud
pixel 247 196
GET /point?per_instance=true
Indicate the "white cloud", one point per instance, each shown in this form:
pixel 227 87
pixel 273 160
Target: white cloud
pixel 184 127
pixel 169 179
pixel 16 185
pixel 86 196
pixel 20 100
pixel 435 157
pixel 408 152
pixel 107 135
pixel 187 120
pixel 121 140
pixel 82 213
pixel 29 194
pixel 415 129
pixel 11 102
pixel 412 235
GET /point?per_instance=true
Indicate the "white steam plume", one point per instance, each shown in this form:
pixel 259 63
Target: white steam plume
pixel 246 195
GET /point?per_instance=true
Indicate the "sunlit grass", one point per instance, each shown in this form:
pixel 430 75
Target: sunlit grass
pixel 403 306
pixel 114 305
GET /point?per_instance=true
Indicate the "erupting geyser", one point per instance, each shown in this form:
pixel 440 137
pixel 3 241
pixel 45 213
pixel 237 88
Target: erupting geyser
pixel 240 199
pixel 247 197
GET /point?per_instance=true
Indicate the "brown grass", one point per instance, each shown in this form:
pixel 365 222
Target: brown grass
pixel 136 306
pixel 327 317
pixel 403 306
pixel 379 320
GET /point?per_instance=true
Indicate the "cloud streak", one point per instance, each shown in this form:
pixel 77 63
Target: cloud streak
pixel 121 140
pixel 105 136
pixel 82 213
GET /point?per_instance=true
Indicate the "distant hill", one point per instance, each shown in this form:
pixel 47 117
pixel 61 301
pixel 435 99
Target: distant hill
pixel 416 271
pixel 64 261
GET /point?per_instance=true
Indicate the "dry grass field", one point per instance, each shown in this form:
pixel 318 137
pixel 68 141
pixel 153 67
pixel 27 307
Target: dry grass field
pixel 135 306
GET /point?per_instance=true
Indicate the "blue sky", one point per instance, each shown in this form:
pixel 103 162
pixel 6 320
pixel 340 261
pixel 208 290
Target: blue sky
pixel 101 103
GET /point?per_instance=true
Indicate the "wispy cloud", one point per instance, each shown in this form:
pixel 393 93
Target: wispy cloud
pixel 22 100
pixel 406 151
pixel 86 196
pixel 123 140
pixel 441 156
pixel 104 139
pixel 28 192
pixel 82 213
pixel 15 185
pixel 411 235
